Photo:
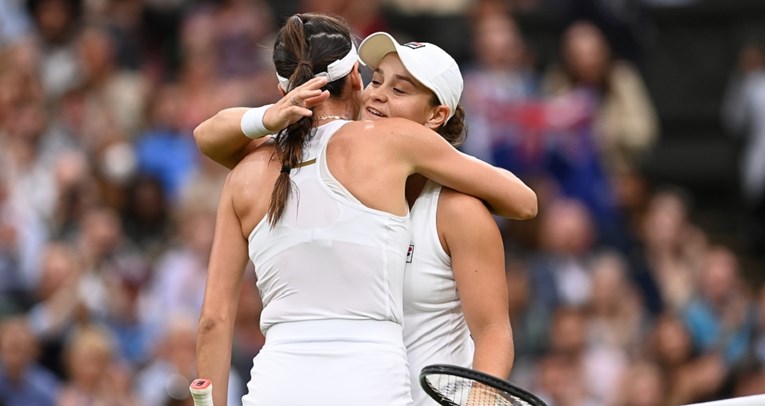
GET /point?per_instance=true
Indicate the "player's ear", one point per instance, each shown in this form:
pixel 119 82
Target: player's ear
pixel 355 77
pixel 437 117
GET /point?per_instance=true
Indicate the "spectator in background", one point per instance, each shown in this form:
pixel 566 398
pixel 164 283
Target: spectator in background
pixel 643 384
pixel 501 92
pixel 22 236
pixel 32 182
pixel 559 270
pixel 562 374
pixel 115 98
pixel 55 22
pixel 14 22
pixel 22 381
pixel 94 374
pixel 744 114
pixel 441 22
pixel 670 251
pixel 201 89
pixel 720 318
pixel 59 306
pixel 170 372
pixel 178 282
pixel 146 215
pixel 616 317
pixel 164 150
pixel 625 121
pixel 691 376
pixel 242 28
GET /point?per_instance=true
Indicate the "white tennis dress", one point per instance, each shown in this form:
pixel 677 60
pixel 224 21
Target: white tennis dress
pixel 435 331
pixel 330 274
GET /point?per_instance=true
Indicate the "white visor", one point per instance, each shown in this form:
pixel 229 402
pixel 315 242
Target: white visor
pixel 335 70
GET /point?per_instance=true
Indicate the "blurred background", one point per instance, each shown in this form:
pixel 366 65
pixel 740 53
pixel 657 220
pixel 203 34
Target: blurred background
pixel 639 123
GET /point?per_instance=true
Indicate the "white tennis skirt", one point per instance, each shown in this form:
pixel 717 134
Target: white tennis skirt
pixel 331 363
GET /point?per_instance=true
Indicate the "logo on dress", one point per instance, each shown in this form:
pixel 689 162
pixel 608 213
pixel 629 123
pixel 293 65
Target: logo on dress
pixel 414 45
pixel 410 254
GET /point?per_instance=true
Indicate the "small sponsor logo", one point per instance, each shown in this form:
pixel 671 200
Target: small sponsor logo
pixel 410 254
pixel 414 45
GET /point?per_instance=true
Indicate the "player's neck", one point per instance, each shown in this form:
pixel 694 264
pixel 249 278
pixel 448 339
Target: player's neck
pixel 333 109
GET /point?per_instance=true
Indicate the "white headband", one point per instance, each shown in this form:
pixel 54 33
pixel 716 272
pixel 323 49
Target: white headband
pixel 335 70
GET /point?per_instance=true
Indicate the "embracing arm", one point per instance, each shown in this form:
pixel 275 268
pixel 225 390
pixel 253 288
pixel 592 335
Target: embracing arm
pixel 220 137
pixel 475 245
pixel 228 260
pixel 430 155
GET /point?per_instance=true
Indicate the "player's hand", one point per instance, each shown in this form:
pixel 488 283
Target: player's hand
pixel 296 104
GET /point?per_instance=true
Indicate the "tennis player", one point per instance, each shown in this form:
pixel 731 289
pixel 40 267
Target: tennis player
pixel 455 290
pixel 329 254
pixel 456 246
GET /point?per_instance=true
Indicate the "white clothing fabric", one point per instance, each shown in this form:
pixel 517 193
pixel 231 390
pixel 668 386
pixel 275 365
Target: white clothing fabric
pixel 331 363
pixel 435 331
pixel 329 261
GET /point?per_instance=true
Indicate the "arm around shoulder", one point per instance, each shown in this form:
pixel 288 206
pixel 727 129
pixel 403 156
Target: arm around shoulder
pixel 221 139
pixel 430 155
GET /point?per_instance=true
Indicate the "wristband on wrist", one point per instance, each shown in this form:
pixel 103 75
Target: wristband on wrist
pixel 252 122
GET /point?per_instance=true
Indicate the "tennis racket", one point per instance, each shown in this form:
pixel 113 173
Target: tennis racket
pixel 201 392
pixel 450 385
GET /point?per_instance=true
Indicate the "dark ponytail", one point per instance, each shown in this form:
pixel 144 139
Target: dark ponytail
pixel 306 45
pixel 455 130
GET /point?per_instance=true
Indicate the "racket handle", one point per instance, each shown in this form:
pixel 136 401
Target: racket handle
pixel 201 392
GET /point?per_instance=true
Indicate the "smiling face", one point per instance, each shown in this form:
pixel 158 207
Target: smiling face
pixel 394 92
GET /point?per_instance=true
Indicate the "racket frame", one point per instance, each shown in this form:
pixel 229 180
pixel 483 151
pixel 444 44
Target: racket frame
pixel 476 376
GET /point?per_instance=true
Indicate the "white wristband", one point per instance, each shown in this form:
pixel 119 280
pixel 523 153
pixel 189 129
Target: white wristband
pixel 252 122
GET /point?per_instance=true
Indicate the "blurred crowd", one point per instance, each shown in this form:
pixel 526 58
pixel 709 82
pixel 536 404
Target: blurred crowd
pixel 107 209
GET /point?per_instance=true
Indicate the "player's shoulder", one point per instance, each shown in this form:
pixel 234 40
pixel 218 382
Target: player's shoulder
pixel 462 207
pixel 256 161
pixel 385 126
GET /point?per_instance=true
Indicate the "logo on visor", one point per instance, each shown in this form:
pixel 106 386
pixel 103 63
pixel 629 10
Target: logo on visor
pixel 410 254
pixel 414 45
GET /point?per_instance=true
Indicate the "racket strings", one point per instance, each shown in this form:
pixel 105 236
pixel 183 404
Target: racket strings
pixel 458 391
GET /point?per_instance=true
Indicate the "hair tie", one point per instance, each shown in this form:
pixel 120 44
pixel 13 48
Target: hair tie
pixel 286 169
pixel 305 63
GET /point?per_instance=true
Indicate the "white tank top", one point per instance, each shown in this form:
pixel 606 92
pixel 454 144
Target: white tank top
pixel 435 331
pixel 328 257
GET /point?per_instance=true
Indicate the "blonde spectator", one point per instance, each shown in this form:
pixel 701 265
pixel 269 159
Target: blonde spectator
pixel 94 374
pixel 616 318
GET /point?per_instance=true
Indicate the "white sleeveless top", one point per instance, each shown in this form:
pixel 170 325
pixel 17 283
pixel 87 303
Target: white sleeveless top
pixel 435 331
pixel 329 256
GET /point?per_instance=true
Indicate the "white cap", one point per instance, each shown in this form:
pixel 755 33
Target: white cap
pixel 429 64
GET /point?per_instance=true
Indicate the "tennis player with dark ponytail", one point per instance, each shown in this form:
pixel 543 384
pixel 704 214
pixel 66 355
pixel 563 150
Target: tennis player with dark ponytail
pixel 329 243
